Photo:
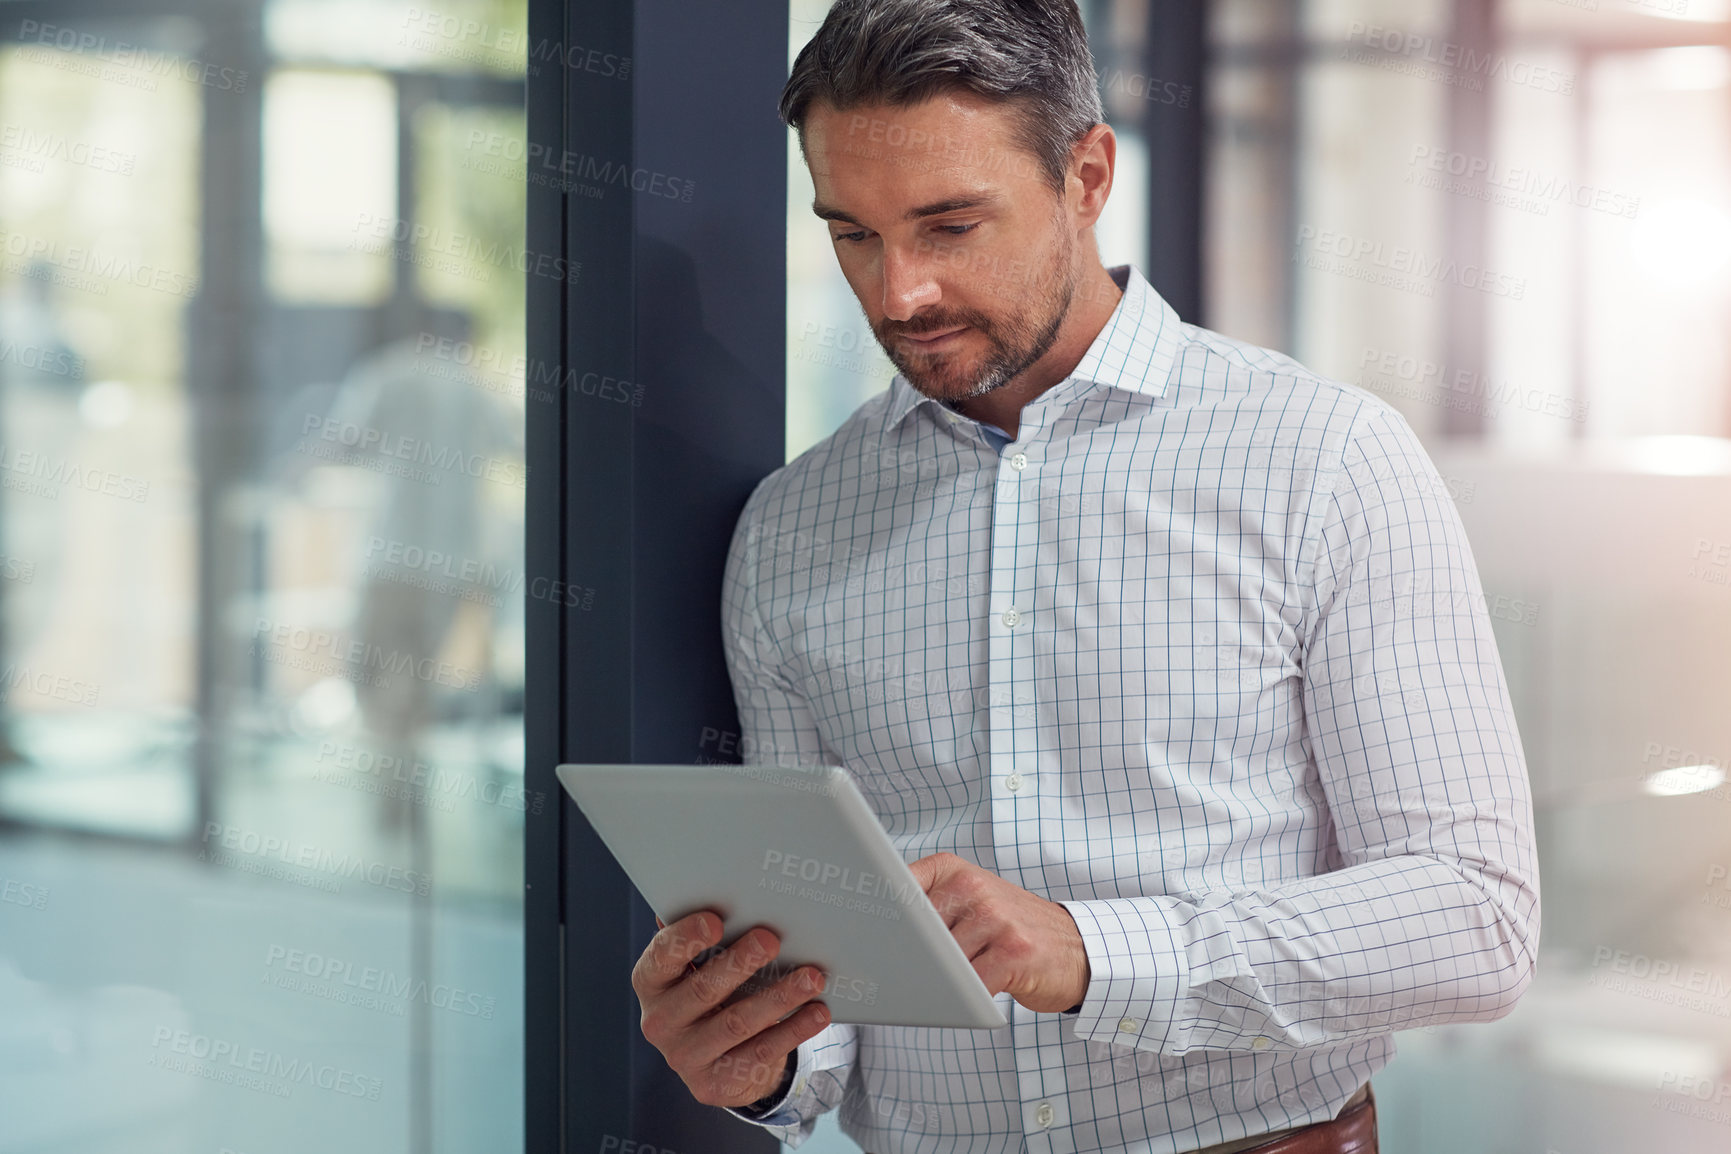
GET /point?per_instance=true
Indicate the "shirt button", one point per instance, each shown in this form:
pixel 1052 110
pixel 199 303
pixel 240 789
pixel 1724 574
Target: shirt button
pixel 1012 617
pixel 1259 1044
pixel 1014 782
pixel 1019 462
pixel 1128 1025
pixel 1043 1114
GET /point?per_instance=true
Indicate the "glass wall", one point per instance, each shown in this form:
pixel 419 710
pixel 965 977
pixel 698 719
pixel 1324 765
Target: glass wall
pixel 261 523
pixel 1511 220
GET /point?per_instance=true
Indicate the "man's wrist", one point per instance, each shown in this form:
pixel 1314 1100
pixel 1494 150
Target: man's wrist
pixel 780 1091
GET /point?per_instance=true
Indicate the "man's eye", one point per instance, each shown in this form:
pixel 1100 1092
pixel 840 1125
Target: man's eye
pixel 958 229
pixel 851 236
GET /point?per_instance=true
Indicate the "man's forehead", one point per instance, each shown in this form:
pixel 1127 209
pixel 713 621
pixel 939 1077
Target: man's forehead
pixel 948 146
pixel 957 114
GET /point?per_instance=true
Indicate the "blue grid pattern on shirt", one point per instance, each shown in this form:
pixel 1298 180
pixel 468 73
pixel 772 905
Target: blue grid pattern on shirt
pixel 1263 743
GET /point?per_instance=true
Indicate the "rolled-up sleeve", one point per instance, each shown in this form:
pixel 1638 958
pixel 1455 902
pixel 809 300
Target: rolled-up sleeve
pixel 1432 915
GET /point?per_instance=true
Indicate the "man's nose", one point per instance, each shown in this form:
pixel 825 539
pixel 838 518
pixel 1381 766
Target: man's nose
pixel 908 284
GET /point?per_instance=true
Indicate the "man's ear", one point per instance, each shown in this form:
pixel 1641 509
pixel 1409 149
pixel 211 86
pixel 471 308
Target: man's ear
pixel 1093 161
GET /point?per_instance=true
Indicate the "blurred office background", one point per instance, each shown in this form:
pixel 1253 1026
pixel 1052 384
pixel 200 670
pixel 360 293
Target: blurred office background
pixel 262 400
pixel 1511 219
pixel 262 392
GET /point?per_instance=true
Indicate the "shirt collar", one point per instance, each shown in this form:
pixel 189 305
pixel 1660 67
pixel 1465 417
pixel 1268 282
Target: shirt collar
pixel 1136 350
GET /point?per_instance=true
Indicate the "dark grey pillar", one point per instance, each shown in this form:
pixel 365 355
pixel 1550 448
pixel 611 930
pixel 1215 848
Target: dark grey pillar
pixel 1175 61
pixel 680 295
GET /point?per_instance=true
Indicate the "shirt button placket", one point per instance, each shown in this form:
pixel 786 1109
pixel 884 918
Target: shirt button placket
pixel 1015 543
pixel 1015 757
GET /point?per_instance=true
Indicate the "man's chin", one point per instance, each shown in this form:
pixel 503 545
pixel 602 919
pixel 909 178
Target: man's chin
pixel 946 388
pixel 950 383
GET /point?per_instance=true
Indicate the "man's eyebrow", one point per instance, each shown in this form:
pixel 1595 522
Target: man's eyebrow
pixel 936 208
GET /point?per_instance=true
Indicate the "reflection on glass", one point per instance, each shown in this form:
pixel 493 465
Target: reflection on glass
pixel 261 530
pixel 1595 497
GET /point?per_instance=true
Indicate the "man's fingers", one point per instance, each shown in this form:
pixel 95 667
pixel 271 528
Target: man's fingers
pixel 973 934
pixel 751 1064
pixel 671 950
pixel 994 968
pixel 734 1023
pixel 722 974
pixel 929 870
pixel 960 901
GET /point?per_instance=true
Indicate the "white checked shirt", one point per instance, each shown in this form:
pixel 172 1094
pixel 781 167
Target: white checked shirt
pixel 1203 655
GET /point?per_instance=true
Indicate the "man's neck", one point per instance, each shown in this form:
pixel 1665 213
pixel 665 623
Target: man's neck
pixel 1097 295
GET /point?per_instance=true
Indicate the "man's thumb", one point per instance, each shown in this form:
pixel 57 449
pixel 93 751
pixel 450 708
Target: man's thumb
pixel 926 870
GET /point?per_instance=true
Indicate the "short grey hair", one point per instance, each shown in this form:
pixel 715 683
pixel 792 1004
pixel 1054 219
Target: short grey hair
pixel 1030 53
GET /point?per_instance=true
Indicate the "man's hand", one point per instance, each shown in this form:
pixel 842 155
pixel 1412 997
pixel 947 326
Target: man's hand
pixel 1018 941
pixel 729 1053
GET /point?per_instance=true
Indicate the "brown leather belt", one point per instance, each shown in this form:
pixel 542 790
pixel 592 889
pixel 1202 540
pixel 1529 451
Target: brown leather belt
pixel 1352 1131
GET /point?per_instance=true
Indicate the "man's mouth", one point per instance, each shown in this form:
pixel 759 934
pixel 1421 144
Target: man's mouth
pixel 936 337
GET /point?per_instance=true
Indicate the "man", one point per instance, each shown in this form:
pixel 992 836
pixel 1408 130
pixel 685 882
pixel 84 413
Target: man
pixel 1165 658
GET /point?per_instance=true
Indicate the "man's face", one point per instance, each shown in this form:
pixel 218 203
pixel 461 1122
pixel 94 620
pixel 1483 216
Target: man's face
pixel 961 254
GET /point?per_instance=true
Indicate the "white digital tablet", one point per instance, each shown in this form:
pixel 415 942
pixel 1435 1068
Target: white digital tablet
pixel 798 851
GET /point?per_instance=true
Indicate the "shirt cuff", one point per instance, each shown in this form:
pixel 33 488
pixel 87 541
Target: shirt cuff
pixel 819 1083
pixel 778 1111
pixel 1138 974
pixel 787 1114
